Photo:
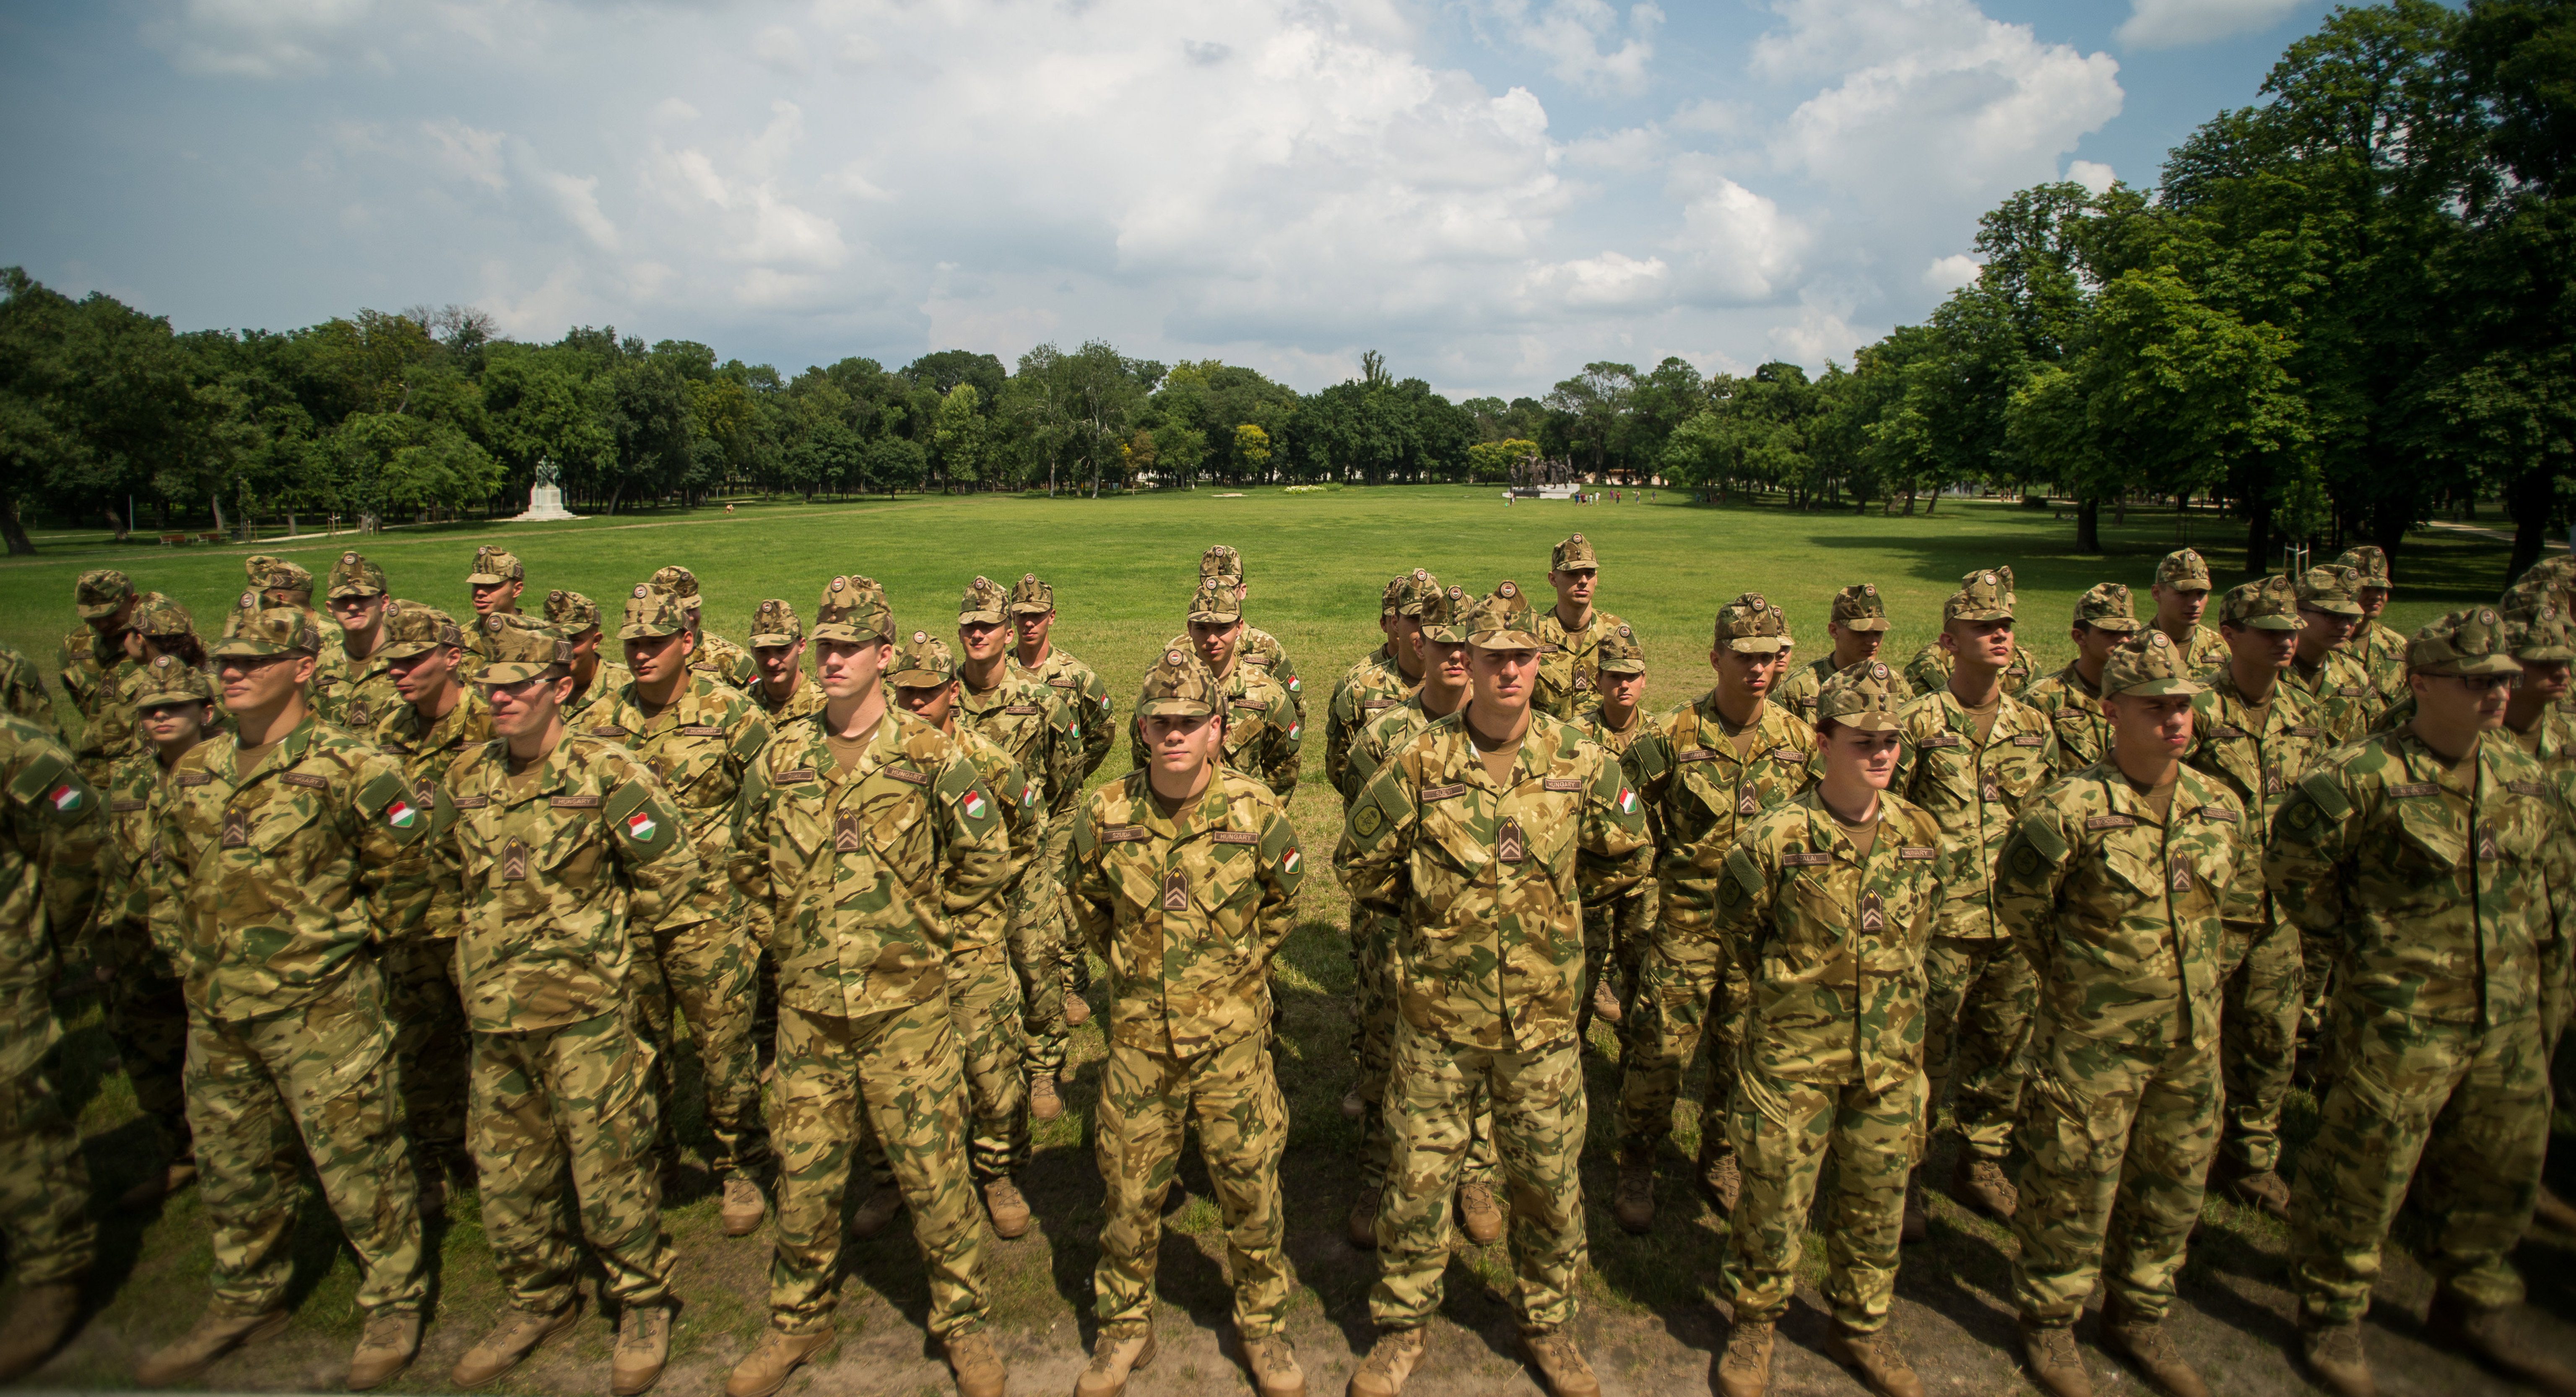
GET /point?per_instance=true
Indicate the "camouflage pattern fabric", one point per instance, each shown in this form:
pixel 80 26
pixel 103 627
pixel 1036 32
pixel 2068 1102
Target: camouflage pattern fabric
pixel 1081 691
pixel 1036 728
pixel 984 1014
pixel 804 701
pixel 86 662
pixel 1569 670
pixel 1260 650
pixel 22 692
pixel 1797 692
pixel 2075 714
pixel 1262 725
pixel 2381 648
pixel 1929 670
pixel 1365 691
pixel 147 1007
pixel 53 826
pixel 1616 938
pixel 431 1041
pixel 2204 650
pixel 610 680
pixel 2339 692
pixel 720 661
pixel 359 695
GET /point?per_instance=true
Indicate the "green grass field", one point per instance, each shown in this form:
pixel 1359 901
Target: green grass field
pixel 1122 569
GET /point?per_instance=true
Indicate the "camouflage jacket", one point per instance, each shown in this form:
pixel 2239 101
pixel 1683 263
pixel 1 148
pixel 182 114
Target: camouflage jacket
pixel 109 735
pixel 1386 734
pixel 1022 799
pixel 2344 702
pixel 1569 662
pixel 1261 731
pixel 803 701
pixel 1616 740
pixel 120 940
pixel 1086 697
pixel 425 752
pixel 266 888
pixel 555 876
pixel 1700 794
pixel 603 685
pixel 1973 792
pixel 723 662
pixel 2425 882
pixel 2260 762
pixel 1488 881
pixel 2075 713
pixel 2381 648
pixel 22 692
pixel 1929 670
pixel 700 748
pixel 359 695
pixel 862 870
pixel 1364 691
pixel 55 824
pixel 1262 651
pixel 1034 725
pixel 1186 912
pixel 86 663
pixel 2122 914
pixel 478 642
pixel 1833 942
pixel 1798 692
pixel 2204 651
pixel 2551 742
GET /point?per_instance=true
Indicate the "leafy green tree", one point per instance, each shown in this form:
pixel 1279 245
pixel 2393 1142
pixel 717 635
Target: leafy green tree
pixel 94 397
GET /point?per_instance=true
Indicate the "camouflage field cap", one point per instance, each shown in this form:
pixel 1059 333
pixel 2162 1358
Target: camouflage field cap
pixel 1221 561
pixel 1751 625
pixel 493 566
pixel 413 629
pixel 1982 596
pixel 1447 615
pixel 1619 652
pixel 776 624
pixel 1574 555
pixel 1177 687
pixel 652 611
pixel 1213 601
pixel 100 592
pixel 921 662
pixel 2464 643
pixel 1501 621
pixel 279 575
pixel 256 630
pixel 2524 599
pixel 1390 598
pixel 854 611
pixel 985 603
pixel 522 652
pixel 2184 571
pixel 1858 608
pixel 168 680
pixel 2329 589
pixel 1421 593
pixel 2544 637
pixel 2148 666
pixel 2369 562
pixel 160 617
pixel 1031 597
pixel 354 576
pixel 1861 696
pixel 571 611
pixel 2106 607
pixel 2269 605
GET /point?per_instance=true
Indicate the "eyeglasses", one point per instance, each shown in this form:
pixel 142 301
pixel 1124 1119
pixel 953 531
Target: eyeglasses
pixel 2483 683
pixel 517 690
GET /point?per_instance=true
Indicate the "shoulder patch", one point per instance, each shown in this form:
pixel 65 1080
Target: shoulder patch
pixel 2321 789
pixel 2043 838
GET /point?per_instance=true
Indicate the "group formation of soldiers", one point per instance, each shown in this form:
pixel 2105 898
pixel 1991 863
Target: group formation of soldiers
pixel 430 901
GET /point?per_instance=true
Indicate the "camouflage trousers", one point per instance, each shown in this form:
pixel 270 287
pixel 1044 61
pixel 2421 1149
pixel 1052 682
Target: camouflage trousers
pixel 322 1076
pixel 2113 1148
pixel 1615 939
pixel 1147 1099
pixel 2258 1037
pixel 44 1183
pixel 1378 1017
pixel 707 971
pixel 2461 1114
pixel 1783 1132
pixel 432 1045
pixel 1041 937
pixel 1539 1116
pixel 563 1139
pixel 900 1068
pixel 1980 993
pixel 147 1019
pixel 984 1011
pixel 1663 1029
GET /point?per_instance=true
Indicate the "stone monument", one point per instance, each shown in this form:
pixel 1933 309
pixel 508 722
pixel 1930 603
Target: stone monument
pixel 545 501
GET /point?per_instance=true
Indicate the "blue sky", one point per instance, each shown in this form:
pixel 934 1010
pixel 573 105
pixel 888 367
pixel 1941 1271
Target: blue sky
pixel 1492 192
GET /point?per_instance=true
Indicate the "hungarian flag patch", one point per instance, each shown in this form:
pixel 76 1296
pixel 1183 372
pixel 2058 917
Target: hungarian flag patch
pixel 1627 801
pixel 641 828
pixel 1294 729
pixel 1288 862
pixel 974 804
pixel 65 797
pixel 400 814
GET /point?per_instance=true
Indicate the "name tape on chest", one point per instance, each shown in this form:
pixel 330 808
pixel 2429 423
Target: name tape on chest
pixel 608 730
pixel 907 775
pixel 1916 851
pixel 307 780
pixel 702 730
pixel 2109 821
pixel 2029 739
pixel 126 805
pixel 573 802
pixel 797 773
pixel 1942 739
pixel 1235 836
pixel 1023 710
pixel 2226 731
pixel 2526 787
pixel 2219 813
pixel 1807 858
pixel 2408 790
pixel 1123 834
pixel 1443 792
pixel 471 802
pixel 1562 783
pixel 1695 754
pixel 195 778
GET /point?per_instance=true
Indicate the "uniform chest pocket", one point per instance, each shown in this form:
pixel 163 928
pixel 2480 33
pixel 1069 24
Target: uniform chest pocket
pixel 890 817
pixel 572 847
pixel 686 759
pixel 2429 837
pixel 1715 789
pixel 1452 832
pixel 269 829
pixel 1135 869
pixel 1815 906
pixel 799 817
pixel 2019 770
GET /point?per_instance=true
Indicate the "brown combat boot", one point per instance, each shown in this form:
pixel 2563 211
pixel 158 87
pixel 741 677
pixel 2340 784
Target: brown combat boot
pixel 743 1206
pixel 217 1333
pixel 767 1367
pixel 1390 1361
pixel 976 1365
pixel 1979 1182
pixel 2056 1365
pixel 1274 1367
pixel 1045 1102
pixel 386 1347
pixel 38 1324
pixel 1560 1363
pixel 2334 1358
pixel 1113 1358
pixel 1880 1363
pixel 160 1184
pixel 2145 1343
pixel 1744 1370
pixel 1605 1001
pixel 2554 1211
pixel 643 1348
pixel 1008 1210
pixel 1917 1226
pixel 870 1217
pixel 1634 1202
pixel 1479 1214
pixel 1363 1220
pixel 2260 1189
pixel 519 1334
pixel 1720 1179
pixel 1077 1011
pixel 2491 1336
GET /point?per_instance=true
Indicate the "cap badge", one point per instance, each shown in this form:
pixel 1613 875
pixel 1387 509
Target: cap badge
pixel 554 598
pixel 1171 657
pixel 1988 579
pixel 1626 634
pixel 349 557
pixel 1028 577
pixel 493 624
pixel 1507 590
pixel 1877 669
pixel 639 591
pixel 2486 618
pixel 919 636
pixel 1578 538
pixel 248 600
pixel 1456 591
pixel 2159 640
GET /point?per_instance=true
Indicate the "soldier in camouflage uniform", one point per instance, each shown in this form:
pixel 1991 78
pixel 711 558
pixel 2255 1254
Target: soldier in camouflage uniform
pixel 778 649
pixel 286 852
pixel 1384 678
pixel 1830 902
pixel 1929 670
pixel 2118 883
pixel 1489 832
pixel 158 626
pixel 1260 717
pixel 494 585
pixel 2421 856
pixel 1258 648
pixel 2071 699
pixel 1615 942
pixel 1973 753
pixel 593 678
pixel 2181 593
pixel 1570 632
pixel 2537 720
pixel 52 825
pixel 2379 646
pixel 1858 626
pixel 2324 670
pixel 363 689
pixel 1184 879
pixel 22 692
pixel 287 584
pixel 1702 770
pixel 859 831
pixel 95 654
pixel 562 854
pixel 700 737
pixel 710 654
pixel 1032 623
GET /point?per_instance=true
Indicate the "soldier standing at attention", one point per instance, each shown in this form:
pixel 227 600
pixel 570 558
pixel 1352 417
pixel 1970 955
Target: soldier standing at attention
pixel 710 654
pixel 563 855
pixel 1858 626
pixel 1381 680
pixel 363 691
pixel 1489 831
pixel 699 736
pixel 2323 670
pixel 1831 900
pixel 778 648
pixel 288 584
pixel 23 694
pixel 2537 721
pixel 2419 855
pixel 286 852
pixel 1569 633
pixel 2380 647
pixel 431 724
pixel 1259 648
pixel 2256 736
pixel 859 830
pixel 1930 668
pixel 1184 879
pixel 495 585
pixel 2117 882
pixel 593 678
pixel 95 662
pixel 2181 592
pixel 1615 942
pixel 2071 699
pixel 1032 622
pixel 52 825
pixel 1260 720
pixel 1973 753
pixel 1702 770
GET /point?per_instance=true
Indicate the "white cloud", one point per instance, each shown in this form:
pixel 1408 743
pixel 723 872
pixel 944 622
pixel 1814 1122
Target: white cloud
pixel 1947 274
pixel 1571 35
pixel 2092 174
pixel 259 38
pixel 782 49
pixel 1738 245
pixel 577 198
pixel 2156 24
pixel 469 152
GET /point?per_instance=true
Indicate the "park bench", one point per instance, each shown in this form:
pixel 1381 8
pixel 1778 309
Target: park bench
pixel 169 539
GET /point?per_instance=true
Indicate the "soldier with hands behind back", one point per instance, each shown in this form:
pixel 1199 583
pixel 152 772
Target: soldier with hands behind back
pixel 1857 625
